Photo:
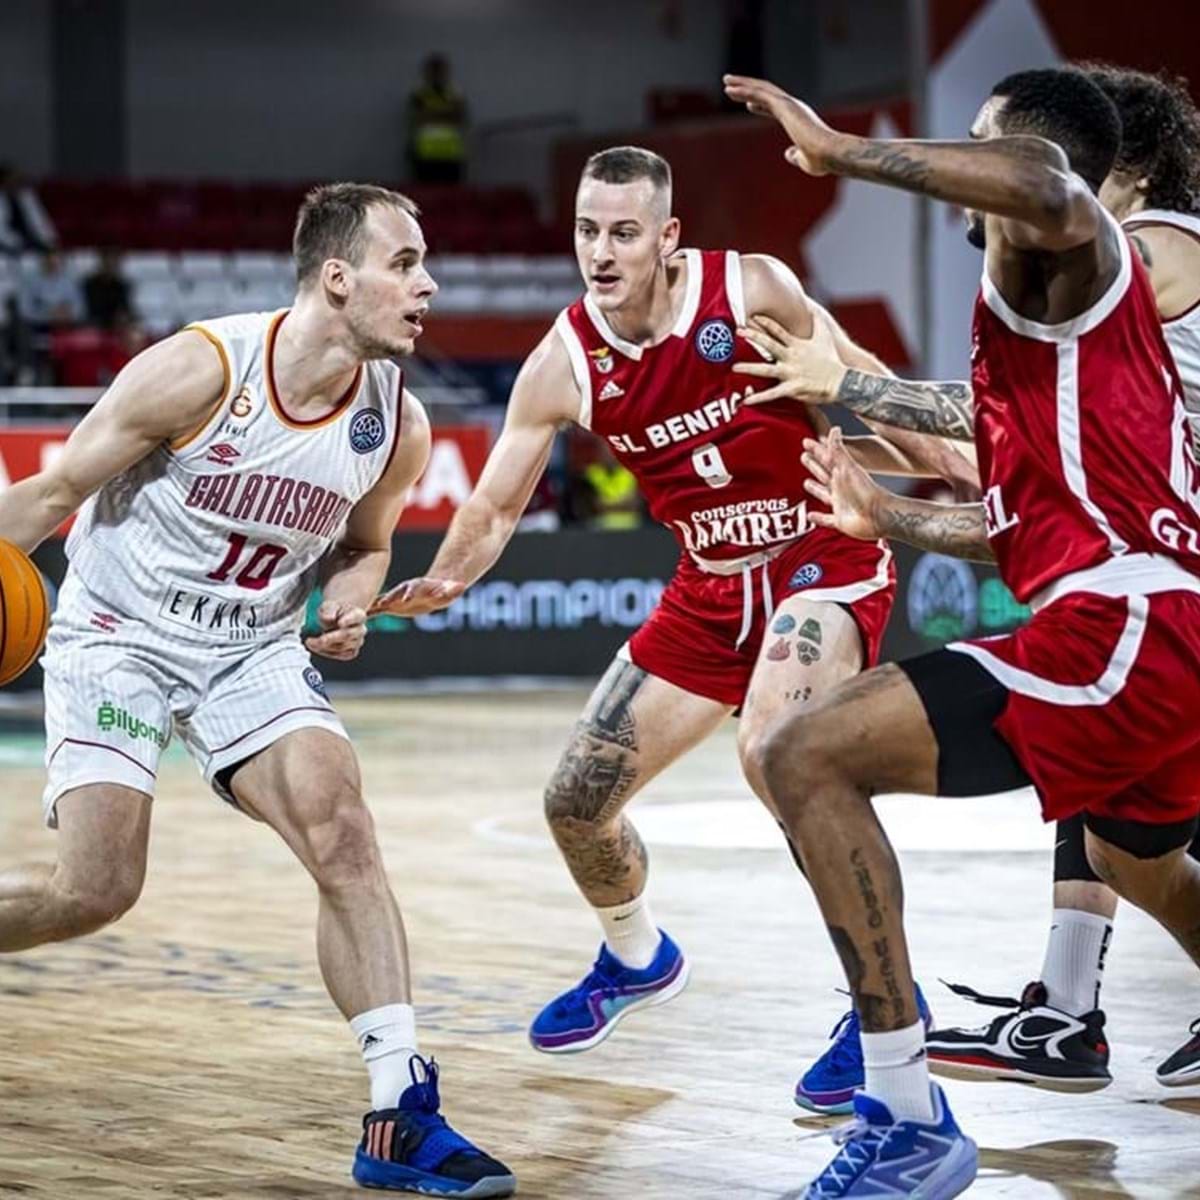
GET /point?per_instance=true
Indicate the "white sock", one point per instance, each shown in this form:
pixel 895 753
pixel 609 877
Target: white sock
pixel 630 932
pixel 387 1037
pixel 897 1073
pixel 1074 964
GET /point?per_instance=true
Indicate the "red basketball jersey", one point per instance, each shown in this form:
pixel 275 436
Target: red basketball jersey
pixel 725 477
pixel 1083 443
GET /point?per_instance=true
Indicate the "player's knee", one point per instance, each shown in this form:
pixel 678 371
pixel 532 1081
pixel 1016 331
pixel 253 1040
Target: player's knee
pixel 589 786
pixel 751 746
pixel 796 758
pixel 90 905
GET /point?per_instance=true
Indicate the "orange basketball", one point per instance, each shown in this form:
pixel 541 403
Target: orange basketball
pixel 24 612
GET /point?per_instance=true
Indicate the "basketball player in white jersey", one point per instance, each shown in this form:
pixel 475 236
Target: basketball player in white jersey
pixel 228 471
pixel 1154 191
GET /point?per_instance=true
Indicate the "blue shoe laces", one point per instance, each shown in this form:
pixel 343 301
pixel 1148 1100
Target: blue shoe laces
pixel 596 979
pixel 420 1104
pixel 861 1144
pixel 845 1053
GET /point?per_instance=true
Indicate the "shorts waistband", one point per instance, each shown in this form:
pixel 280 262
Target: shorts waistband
pixel 735 566
pixel 1123 575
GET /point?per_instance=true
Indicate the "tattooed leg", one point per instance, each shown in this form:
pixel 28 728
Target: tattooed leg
pixel 810 647
pixel 634 725
pixel 821 766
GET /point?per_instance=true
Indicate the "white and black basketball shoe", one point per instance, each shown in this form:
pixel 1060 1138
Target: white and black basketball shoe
pixel 1182 1069
pixel 1033 1044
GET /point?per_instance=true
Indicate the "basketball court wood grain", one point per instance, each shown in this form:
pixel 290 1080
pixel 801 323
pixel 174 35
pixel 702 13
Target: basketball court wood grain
pixel 190 1050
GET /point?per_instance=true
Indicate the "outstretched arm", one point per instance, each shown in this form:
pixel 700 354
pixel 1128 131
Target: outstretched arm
pixel 1024 179
pixel 543 396
pixel 818 371
pixel 862 509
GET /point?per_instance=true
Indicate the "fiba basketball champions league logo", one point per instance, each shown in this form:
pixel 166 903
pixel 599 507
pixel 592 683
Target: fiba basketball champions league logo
pixel 947 600
pixel 714 341
pixel 367 431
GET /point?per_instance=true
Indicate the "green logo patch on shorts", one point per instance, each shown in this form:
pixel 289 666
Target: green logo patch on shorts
pixel 108 716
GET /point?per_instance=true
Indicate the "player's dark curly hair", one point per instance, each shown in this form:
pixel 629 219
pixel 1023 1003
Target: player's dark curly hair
pixel 1160 133
pixel 1064 106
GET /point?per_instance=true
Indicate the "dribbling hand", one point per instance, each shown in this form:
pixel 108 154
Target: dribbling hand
pixel 416 597
pixel 807 369
pixel 344 629
pixel 812 139
pixel 838 481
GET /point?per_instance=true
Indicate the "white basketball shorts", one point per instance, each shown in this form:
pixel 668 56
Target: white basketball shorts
pixel 117 687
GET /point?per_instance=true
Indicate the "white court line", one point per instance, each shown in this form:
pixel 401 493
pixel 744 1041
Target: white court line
pixel 983 824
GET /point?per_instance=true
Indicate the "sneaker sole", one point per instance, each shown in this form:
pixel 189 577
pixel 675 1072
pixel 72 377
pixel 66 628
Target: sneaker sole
pixel 955 1174
pixel 840 1109
pixel 668 993
pixel 994 1073
pixel 1178 1079
pixel 394 1177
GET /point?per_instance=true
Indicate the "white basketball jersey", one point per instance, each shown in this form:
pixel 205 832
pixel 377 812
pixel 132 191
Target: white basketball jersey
pixel 217 536
pixel 1182 332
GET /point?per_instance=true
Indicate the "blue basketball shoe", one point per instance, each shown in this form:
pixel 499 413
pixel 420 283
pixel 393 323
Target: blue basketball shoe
pixel 410 1148
pixel 828 1086
pixel 881 1156
pixel 586 1014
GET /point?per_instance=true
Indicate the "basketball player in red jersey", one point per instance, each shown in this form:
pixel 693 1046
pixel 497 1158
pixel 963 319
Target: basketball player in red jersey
pixel 764 612
pixel 1153 189
pixel 1091 510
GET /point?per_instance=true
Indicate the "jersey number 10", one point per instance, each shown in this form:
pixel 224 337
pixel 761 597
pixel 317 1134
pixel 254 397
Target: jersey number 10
pixel 259 567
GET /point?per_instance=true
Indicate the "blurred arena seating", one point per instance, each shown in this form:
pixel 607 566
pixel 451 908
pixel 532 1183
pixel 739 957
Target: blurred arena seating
pixel 208 215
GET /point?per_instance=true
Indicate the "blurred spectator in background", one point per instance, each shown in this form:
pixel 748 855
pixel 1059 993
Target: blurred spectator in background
pixel 48 300
pixel 609 497
pixel 437 126
pixel 50 297
pixel 106 293
pixel 24 223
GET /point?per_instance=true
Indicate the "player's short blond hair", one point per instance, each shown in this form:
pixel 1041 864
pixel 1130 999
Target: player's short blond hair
pixel 330 223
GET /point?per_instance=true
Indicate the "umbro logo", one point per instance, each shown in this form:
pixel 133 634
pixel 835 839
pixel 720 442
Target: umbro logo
pixel 610 391
pixel 223 453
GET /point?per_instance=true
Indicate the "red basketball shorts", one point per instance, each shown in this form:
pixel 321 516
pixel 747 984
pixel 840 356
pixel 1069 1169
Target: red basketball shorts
pixel 707 631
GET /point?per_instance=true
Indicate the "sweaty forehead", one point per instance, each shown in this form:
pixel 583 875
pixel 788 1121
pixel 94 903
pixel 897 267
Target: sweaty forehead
pixel 608 203
pixel 391 229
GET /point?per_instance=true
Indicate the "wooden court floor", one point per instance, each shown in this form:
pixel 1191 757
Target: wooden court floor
pixel 190 1051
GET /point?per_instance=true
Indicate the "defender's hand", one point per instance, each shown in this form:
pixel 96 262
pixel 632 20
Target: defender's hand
pixel 808 369
pixel 416 597
pixel 838 481
pixel 812 139
pixel 344 631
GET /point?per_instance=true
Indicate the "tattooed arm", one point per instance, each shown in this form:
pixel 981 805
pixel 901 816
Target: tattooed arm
pixel 862 509
pixel 818 370
pixel 1022 179
pixel 942 409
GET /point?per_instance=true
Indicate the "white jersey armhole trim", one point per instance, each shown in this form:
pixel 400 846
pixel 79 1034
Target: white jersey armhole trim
pixel 1162 216
pixel 579 366
pixel 1077 326
pixel 186 439
pixel 1070 695
pixel 691 295
pixel 1070 442
pixel 734 289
